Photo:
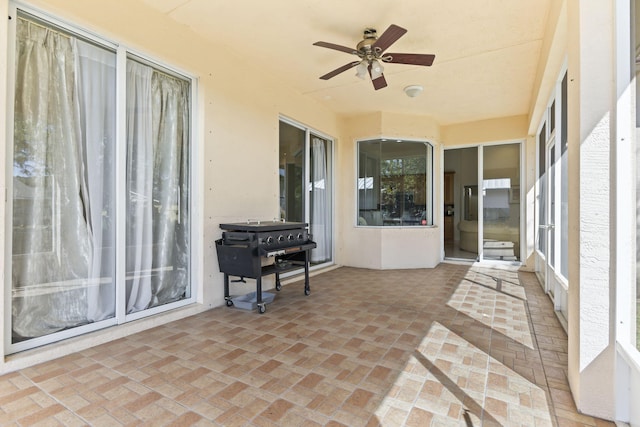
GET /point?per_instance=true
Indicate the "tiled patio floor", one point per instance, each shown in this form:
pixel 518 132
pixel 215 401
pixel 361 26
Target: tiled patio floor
pixel 450 346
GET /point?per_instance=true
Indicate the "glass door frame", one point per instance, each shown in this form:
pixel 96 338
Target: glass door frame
pixel 480 204
pixel 555 285
pixel 549 225
pixel 540 194
pixel 308 133
pixel 548 264
pixel 481 162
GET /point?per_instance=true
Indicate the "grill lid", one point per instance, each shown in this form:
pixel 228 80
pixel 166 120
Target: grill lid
pixel 261 226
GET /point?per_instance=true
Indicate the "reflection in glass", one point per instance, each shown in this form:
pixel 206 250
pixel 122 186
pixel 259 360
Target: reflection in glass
pixel 501 202
pixel 394 183
pixel 292 160
pixel 320 218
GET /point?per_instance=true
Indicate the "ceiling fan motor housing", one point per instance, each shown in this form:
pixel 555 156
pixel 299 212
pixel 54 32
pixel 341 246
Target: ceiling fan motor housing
pixel 364 48
pixel 370 33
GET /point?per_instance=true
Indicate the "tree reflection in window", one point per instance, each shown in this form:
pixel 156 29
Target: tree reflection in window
pixel 394 183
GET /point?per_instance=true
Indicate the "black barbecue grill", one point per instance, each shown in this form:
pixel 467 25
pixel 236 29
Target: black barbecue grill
pixel 245 244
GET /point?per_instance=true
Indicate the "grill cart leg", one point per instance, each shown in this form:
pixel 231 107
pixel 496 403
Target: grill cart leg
pixel 278 284
pixel 262 307
pixel 307 290
pixel 227 298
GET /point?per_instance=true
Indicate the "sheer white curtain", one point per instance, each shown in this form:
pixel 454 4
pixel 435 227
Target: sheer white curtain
pixel 139 186
pixel 96 101
pixel 320 224
pixel 60 216
pixel 157 187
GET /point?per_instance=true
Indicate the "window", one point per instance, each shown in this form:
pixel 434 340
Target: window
pixel 65 195
pixel 542 190
pixel 564 181
pixel 395 183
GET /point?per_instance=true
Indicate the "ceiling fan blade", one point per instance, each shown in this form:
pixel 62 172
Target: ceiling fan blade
pixel 389 37
pixel 339 70
pixel 379 83
pixel 409 58
pixel 336 47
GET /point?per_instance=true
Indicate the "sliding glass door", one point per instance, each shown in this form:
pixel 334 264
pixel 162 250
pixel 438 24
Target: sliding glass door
pixel 72 212
pixel 306 188
pixel 484 205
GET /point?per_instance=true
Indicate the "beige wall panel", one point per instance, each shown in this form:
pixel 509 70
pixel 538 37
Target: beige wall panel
pixel 502 129
pixel 411 247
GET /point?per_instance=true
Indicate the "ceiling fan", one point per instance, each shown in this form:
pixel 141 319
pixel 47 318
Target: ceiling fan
pixel 371 53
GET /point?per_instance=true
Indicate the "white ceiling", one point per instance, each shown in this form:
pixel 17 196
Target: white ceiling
pixel 487 51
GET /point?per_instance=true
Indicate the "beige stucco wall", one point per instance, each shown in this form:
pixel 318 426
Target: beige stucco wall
pixel 552 59
pixel 485 131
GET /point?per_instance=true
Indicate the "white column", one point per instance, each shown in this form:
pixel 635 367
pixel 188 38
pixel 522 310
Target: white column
pixel 591 312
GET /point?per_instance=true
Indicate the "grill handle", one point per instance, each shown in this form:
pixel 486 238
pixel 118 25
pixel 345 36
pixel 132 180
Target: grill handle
pixel 238 239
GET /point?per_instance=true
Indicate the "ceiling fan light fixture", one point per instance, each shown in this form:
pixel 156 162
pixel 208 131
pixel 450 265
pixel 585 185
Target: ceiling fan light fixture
pixel 376 69
pixel 361 69
pixel 413 90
